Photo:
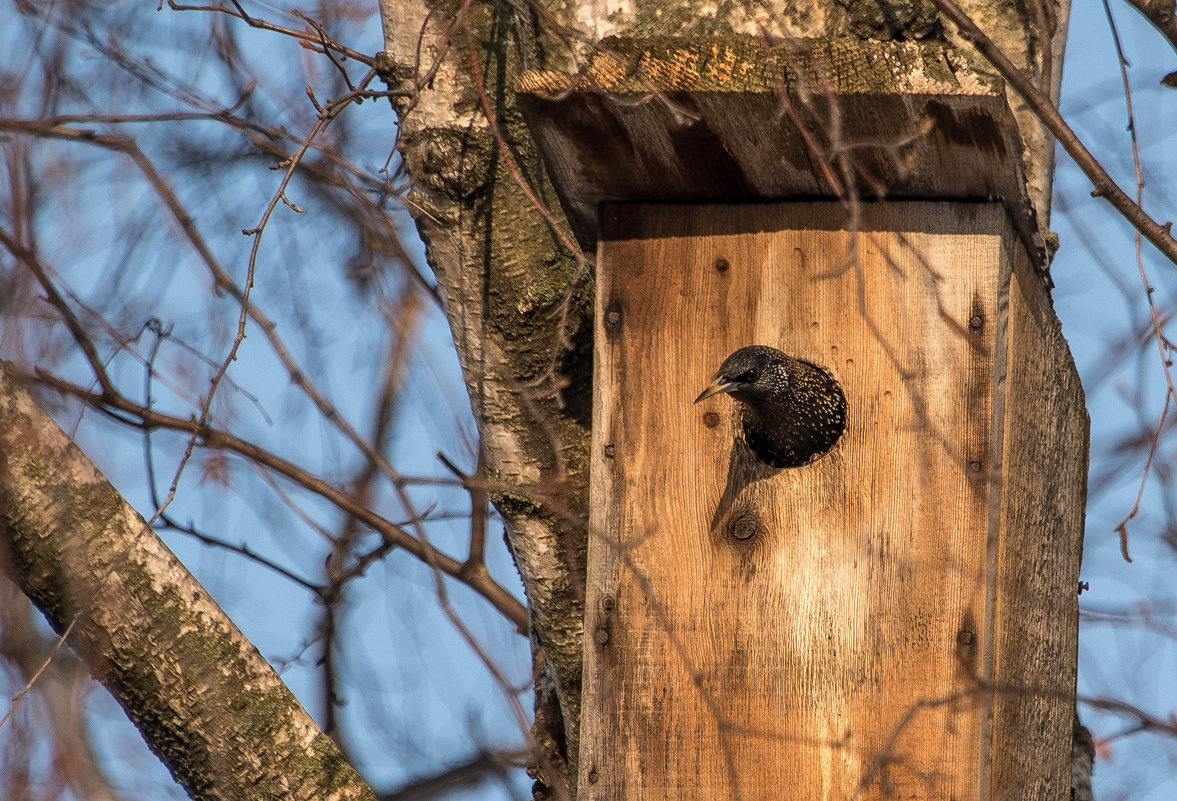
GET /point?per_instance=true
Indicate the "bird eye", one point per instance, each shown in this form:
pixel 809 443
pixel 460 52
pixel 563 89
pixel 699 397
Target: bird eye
pixel 749 377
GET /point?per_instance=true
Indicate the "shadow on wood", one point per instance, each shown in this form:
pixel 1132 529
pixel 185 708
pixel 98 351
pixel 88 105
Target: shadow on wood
pixel 897 619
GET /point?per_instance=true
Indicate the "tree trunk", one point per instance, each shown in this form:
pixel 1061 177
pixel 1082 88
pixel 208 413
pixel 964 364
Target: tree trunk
pixel 519 299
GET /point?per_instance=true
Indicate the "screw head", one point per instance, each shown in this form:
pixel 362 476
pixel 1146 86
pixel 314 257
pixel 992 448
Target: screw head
pixel 964 637
pixel 711 419
pixel 722 265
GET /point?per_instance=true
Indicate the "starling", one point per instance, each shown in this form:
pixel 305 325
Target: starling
pixel 791 412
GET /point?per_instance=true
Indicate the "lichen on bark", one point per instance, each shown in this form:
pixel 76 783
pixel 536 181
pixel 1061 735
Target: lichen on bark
pixel 202 696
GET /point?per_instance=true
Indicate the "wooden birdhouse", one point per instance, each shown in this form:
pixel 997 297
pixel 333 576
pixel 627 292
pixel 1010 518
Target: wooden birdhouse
pixel 898 617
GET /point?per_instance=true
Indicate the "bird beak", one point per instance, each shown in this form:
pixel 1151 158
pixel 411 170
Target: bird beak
pixel 719 386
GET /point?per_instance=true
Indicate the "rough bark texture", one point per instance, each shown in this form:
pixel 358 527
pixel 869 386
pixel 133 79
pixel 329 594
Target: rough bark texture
pixel 511 286
pixel 202 696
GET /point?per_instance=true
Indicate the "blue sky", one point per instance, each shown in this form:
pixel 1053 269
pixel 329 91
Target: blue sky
pixel 1097 261
pixel 412 685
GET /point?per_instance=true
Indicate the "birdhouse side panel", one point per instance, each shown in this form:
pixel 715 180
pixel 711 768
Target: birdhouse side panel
pixel 1040 532
pixel 821 627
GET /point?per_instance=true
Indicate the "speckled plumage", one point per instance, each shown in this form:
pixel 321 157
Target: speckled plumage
pixel 791 412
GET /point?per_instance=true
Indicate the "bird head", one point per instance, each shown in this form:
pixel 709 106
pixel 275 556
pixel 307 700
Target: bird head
pixel 750 374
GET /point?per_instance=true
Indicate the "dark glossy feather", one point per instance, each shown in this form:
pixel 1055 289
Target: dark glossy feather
pixel 792 412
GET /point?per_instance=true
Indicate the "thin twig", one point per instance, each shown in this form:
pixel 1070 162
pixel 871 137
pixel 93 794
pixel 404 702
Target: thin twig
pixel 119 406
pixel 1154 314
pixel 313 42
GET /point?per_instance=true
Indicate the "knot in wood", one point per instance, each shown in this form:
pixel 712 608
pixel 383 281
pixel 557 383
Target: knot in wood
pixel 745 525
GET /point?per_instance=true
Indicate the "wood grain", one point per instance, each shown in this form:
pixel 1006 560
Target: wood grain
pixel 850 648
pixel 1036 619
pixel 706 120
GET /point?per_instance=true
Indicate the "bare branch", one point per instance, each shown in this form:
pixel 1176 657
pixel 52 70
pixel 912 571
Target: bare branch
pixel 316 42
pixel 209 437
pixel 1158 234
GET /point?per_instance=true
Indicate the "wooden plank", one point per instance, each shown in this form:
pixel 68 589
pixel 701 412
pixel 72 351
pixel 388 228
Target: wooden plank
pixel 1044 495
pixel 724 119
pixel 834 652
